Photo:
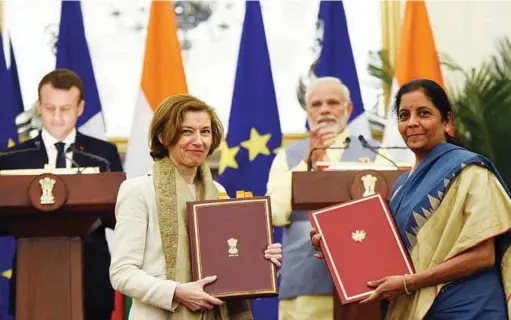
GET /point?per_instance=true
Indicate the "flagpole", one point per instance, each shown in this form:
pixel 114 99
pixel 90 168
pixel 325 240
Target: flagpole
pixel 391 23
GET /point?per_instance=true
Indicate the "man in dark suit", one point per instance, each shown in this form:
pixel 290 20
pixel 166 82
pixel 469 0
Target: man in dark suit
pixel 59 144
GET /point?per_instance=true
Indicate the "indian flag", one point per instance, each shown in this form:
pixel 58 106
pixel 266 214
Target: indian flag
pixel 417 58
pixel 163 75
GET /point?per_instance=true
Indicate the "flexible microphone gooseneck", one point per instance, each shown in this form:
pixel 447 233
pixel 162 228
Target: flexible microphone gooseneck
pixel 37 148
pixel 79 168
pixel 347 142
pixel 72 148
pixel 8 153
pixel 366 145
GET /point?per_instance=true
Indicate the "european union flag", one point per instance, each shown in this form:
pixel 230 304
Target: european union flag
pixel 336 59
pixel 11 105
pixel 254 126
pixel 73 53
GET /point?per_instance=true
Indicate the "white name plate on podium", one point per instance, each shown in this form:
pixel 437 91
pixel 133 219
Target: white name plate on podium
pixel 50 169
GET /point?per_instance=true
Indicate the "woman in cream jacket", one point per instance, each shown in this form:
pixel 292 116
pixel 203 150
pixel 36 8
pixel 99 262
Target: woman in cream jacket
pixel 151 255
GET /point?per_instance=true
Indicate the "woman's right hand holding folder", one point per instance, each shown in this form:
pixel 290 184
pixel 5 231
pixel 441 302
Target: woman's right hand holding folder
pixel 316 243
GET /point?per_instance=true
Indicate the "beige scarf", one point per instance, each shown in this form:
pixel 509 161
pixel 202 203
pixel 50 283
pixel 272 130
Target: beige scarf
pixel 172 194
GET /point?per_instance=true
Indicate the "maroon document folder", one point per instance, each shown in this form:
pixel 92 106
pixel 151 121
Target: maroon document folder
pixel 360 243
pixel 227 239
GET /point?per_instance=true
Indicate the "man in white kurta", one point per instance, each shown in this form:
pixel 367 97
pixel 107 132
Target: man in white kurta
pixel 306 288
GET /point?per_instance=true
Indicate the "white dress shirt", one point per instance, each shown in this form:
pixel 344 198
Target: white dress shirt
pixel 49 144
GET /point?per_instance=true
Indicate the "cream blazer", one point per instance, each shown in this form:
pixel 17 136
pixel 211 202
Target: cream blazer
pixel 138 264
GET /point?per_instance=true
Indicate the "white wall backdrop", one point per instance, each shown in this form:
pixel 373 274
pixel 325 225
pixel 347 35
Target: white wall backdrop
pixel 468 30
pixel 210 64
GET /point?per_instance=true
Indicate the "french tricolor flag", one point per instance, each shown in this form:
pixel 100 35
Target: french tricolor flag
pixel 73 53
pixel 336 60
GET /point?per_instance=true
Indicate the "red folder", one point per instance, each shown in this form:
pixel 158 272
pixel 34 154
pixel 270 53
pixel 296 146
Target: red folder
pixel 228 238
pixel 360 243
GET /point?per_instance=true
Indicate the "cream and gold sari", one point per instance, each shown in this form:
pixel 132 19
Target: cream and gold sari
pixel 451 202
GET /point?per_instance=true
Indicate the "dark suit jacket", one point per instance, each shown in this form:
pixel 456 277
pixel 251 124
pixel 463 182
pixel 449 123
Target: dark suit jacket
pixel 98 290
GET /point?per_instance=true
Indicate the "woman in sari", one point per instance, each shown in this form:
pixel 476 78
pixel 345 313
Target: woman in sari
pixel 151 254
pixel 453 212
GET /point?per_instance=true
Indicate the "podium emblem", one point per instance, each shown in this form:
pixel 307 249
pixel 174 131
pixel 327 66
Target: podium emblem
pixel 369 182
pixel 233 250
pixel 47 192
pixel 358 235
pixel 47 185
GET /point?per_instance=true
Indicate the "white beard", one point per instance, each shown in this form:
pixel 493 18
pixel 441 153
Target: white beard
pixel 340 124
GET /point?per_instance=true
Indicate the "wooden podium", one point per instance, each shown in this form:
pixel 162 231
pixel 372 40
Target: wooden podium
pixel 319 189
pixel 48 214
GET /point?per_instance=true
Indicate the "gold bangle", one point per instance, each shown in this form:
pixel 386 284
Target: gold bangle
pixel 404 284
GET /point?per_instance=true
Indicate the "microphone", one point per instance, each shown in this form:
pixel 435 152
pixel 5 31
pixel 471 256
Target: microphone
pixel 7 153
pixel 89 155
pixel 347 142
pixel 366 145
pixel 76 164
pixel 36 148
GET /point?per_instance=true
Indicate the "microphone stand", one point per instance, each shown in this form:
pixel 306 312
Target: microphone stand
pixel 347 142
pixel 366 145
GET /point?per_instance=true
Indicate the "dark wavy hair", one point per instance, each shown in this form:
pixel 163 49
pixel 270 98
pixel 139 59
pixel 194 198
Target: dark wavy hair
pixel 435 93
pixel 62 79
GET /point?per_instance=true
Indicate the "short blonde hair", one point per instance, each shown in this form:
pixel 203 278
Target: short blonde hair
pixel 343 90
pixel 168 119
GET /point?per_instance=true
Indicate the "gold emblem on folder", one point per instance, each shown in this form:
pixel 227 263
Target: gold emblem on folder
pixel 369 184
pixel 233 250
pixel 47 185
pixel 358 235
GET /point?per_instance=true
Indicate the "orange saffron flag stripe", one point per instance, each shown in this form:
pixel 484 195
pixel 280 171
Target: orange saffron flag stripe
pixel 417 55
pixel 163 74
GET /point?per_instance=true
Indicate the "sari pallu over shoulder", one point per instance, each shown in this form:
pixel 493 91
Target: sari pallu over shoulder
pixel 418 196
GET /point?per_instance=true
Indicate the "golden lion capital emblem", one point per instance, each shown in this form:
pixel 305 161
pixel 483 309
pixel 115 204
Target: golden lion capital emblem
pixel 47 185
pixel 369 182
pixel 233 250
